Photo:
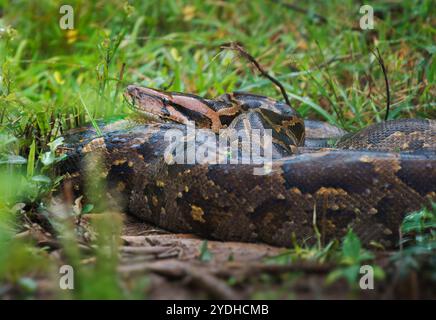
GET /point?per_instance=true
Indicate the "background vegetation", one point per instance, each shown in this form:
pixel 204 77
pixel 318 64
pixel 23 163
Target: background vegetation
pixel 52 80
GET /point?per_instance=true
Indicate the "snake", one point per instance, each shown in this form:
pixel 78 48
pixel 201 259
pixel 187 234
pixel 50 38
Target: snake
pixel 306 180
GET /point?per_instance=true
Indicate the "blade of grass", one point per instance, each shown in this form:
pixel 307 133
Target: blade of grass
pixel 94 123
pixel 31 159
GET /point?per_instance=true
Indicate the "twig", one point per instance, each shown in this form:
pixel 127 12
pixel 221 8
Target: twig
pixel 168 85
pixel 238 48
pixel 216 287
pixel 183 270
pixel 338 58
pixel 144 249
pixel 385 74
pixel 301 10
pixel 176 269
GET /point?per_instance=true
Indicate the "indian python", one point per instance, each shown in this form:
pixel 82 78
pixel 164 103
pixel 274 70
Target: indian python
pixel 314 185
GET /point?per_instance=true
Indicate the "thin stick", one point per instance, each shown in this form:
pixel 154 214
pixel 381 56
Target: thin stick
pixel 385 74
pixel 94 123
pixel 238 48
pixel 165 87
pixel 120 80
pixel 301 10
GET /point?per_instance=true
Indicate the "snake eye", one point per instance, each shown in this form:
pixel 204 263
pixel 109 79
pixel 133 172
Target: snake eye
pixel 165 100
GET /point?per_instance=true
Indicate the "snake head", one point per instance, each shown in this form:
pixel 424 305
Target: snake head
pixel 174 106
pixel 285 122
pixel 149 102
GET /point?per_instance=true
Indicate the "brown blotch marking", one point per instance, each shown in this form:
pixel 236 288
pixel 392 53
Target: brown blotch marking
pixel 118 162
pixel 398 134
pixel 296 191
pixel 121 186
pixel 257 188
pixel 373 211
pixel 380 165
pixel 365 159
pixel 197 213
pixel 387 231
pixel 394 165
pixel 249 208
pixel 154 201
pixel 268 218
pixel 330 197
pixel 330 225
pixel 95 144
pixel 323 191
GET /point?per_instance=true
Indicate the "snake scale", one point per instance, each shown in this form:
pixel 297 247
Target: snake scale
pixel 367 181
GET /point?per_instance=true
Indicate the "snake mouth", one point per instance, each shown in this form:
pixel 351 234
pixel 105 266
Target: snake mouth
pixel 152 107
pixel 164 107
pixel 129 99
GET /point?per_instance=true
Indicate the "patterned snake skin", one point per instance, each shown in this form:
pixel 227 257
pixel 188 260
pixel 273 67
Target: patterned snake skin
pixel 368 182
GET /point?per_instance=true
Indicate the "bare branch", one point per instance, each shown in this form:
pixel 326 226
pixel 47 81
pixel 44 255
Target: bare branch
pixel 385 74
pixel 301 10
pixel 238 48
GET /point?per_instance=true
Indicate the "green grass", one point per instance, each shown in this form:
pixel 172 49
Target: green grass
pixel 53 80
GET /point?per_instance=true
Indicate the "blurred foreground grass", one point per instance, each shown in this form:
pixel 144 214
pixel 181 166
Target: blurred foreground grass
pixel 324 63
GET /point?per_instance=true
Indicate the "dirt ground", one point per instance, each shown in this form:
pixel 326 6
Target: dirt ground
pixel 183 266
pixel 234 270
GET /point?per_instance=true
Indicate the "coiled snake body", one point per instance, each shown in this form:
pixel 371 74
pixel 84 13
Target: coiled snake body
pixel 367 182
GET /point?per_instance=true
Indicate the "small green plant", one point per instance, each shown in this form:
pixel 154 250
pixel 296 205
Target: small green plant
pixel 418 243
pixel 303 252
pixel 19 259
pixel 39 171
pixel 326 73
pixel 205 254
pixel 419 228
pixel 350 259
